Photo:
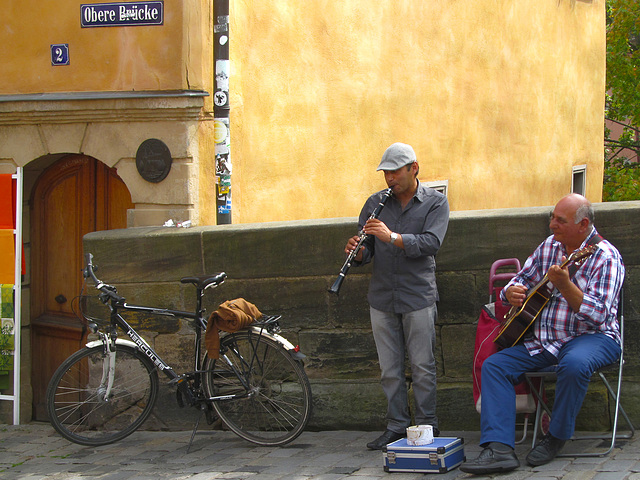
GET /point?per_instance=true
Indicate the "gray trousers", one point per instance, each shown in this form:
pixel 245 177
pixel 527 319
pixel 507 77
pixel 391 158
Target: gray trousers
pixel 413 332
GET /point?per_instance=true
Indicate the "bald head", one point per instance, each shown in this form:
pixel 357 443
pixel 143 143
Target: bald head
pixel 580 205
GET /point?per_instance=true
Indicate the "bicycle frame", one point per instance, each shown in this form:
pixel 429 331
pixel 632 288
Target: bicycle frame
pixel 117 321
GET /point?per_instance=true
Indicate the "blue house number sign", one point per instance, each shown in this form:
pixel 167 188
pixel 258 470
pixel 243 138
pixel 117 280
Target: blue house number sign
pixel 60 54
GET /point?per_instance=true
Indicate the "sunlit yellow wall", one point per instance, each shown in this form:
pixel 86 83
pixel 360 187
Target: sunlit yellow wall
pixel 500 97
pixel 172 56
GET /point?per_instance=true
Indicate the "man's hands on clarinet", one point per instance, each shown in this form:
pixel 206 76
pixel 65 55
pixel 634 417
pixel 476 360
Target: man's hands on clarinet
pixel 374 227
pixel 351 246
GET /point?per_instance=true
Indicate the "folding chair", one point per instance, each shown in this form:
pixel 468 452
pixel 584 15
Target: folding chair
pixel 525 401
pixel 548 375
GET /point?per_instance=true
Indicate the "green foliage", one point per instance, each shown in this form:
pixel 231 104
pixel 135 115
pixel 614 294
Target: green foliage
pixel 6 349
pixel 621 180
pixel 622 176
pixel 623 59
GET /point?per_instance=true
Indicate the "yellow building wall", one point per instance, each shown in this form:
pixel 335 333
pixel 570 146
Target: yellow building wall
pixel 500 97
pixel 173 56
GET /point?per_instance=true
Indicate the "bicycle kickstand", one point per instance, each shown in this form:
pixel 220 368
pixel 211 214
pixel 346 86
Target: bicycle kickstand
pixel 195 427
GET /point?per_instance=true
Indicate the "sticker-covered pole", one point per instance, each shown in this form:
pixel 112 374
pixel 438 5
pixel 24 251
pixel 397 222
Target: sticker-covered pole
pixel 221 112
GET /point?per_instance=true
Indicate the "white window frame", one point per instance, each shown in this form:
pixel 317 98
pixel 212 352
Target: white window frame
pixel 579 172
pixel 441 186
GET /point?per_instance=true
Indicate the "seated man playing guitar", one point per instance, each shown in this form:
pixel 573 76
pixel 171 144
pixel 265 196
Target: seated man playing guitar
pixel 577 329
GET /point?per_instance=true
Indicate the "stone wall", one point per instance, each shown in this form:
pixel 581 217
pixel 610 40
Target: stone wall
pixel 287 267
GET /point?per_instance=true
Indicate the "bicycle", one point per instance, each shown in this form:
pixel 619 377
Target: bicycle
pixel 105 391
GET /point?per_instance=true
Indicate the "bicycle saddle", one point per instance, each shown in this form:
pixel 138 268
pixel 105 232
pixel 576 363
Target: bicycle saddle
pixel 203 281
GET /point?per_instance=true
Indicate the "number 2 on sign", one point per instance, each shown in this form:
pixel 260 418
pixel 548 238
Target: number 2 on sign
pixel 60 54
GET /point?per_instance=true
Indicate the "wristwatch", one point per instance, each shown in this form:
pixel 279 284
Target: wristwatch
pixel 394 237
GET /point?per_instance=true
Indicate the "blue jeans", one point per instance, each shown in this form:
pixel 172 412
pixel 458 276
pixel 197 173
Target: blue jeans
pixel 577 360
pixel 415 332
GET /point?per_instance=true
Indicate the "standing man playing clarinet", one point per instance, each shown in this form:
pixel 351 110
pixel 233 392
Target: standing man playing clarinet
pixel 403 242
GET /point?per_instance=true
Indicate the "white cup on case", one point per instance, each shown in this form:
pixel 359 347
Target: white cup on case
pixel 420 435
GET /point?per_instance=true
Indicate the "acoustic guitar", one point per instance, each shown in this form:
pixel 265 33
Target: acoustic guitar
pixel 519 319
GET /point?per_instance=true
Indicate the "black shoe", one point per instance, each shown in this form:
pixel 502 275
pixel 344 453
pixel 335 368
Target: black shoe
pixel 545 451
pixel 383 440
pixel 495 458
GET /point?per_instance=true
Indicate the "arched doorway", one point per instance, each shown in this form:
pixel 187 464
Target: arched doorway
pixel 74 196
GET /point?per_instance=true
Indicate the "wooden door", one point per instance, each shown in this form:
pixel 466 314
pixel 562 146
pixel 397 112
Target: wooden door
pixel 75 196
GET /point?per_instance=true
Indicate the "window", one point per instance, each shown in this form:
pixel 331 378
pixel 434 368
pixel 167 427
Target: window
pixel 440 185
pixel 579 179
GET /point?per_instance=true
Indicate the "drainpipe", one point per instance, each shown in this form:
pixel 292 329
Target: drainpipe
pixel 221 112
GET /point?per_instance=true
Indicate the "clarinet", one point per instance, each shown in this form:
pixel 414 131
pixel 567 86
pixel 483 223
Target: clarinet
pixel 335 288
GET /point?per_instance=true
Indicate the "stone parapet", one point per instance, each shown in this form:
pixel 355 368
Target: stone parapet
pixel 286 268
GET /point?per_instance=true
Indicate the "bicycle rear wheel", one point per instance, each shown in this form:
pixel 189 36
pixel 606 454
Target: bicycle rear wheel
pixel 275 406
pixel 76 401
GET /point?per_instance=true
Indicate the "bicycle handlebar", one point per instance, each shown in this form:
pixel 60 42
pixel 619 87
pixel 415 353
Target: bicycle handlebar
pixel 109 292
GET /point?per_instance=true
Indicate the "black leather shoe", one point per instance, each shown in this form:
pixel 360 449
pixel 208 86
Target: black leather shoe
pixel 545 451
pixel 383 440
pixel 495 458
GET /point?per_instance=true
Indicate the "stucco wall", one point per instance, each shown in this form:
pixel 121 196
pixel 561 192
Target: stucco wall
pixel 500 98
pixel 173 56
pixel 286 268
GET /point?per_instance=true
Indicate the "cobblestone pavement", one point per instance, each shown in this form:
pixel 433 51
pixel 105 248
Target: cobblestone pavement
pixel 35 451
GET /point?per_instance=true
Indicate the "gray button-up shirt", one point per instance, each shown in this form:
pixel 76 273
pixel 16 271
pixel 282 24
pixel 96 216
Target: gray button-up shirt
pixel 404 280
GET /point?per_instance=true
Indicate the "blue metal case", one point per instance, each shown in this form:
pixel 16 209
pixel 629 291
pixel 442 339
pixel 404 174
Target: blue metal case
pixel 444 454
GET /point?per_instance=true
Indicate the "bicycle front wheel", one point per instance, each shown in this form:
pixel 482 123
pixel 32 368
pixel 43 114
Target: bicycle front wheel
pixel 85 410
pixel 272 395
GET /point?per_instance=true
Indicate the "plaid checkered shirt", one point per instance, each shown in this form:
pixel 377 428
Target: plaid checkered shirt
pixel 600 278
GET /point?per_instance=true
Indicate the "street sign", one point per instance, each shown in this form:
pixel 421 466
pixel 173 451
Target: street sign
pixel 121 14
